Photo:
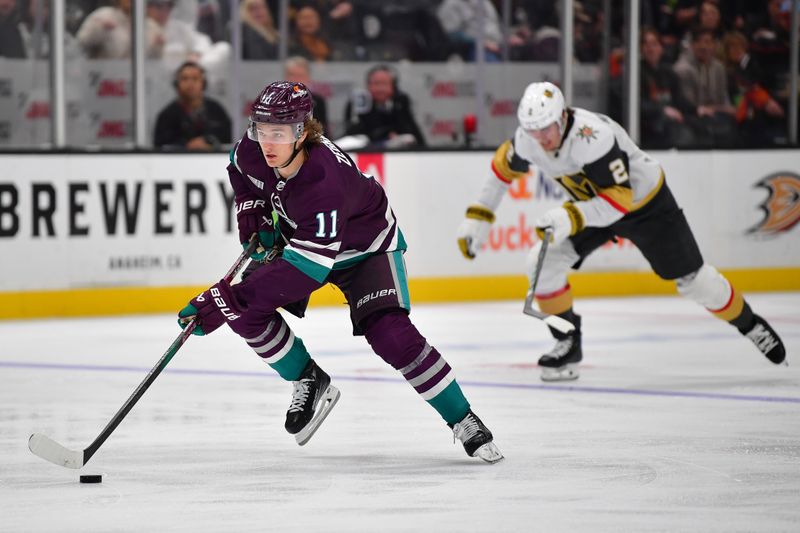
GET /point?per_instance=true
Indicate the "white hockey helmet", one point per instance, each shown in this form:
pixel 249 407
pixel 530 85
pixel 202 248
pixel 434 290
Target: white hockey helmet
pixel 541 104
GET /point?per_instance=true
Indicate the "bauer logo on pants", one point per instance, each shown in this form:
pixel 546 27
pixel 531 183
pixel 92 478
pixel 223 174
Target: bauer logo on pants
pixel 376 294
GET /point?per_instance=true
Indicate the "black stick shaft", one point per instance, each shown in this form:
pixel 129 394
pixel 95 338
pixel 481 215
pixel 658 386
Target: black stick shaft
pixel 161 364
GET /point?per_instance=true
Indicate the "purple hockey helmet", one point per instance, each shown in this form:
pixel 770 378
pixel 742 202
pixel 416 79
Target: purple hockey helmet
pixel 281 102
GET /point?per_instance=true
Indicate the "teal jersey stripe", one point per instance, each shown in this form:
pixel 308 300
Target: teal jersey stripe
pixel 347 263
pixel 308 267
pixel 451 403
pixel 401 241
pixel 402 279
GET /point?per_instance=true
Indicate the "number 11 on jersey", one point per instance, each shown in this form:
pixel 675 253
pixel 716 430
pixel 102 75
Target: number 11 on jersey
pixel 321 228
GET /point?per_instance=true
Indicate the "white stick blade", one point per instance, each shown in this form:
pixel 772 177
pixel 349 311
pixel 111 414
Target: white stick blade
pixel 50 450
pixel 564 326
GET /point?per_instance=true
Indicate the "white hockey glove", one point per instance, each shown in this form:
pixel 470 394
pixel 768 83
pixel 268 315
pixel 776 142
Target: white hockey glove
pixel 565 221
pixel 474 230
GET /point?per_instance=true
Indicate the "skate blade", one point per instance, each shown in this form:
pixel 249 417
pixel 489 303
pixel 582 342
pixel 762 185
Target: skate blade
pixel 489 453
pixel 326 403
pixel 564 373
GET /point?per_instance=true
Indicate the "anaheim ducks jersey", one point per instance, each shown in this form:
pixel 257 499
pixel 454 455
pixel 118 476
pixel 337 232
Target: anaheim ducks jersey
pixel 599 166
pixel 331 214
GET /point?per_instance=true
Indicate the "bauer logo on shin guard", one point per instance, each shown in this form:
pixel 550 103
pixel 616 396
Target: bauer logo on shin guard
pixel 223 307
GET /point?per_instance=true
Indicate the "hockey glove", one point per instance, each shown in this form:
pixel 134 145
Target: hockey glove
pixel 252 217
pixel 211 309
pixel 565 221
pixel 474 230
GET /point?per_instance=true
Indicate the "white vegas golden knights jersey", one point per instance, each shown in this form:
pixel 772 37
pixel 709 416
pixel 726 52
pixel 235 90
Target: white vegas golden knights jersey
pixel 600 167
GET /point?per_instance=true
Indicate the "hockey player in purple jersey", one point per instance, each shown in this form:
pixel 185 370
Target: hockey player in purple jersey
pixel 332 224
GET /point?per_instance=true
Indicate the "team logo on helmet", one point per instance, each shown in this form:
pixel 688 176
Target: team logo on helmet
pixel 782 206
pixel 548 93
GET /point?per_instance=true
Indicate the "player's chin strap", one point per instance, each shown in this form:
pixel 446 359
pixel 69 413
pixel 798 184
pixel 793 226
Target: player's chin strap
pixel 295 150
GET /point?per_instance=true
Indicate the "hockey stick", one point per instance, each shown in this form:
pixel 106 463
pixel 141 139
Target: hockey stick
pixel 50 450
pixel 556 322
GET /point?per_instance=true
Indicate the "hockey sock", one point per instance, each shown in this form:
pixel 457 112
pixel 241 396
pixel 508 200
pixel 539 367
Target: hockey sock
pixel 395 339
pixel 291 365
pixel 280 349
pixel 745 321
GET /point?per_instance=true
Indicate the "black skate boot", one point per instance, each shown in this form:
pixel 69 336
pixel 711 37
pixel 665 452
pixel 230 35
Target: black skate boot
pixel 476 438
pixel 312 400
pixel 766 340
pixel 561 363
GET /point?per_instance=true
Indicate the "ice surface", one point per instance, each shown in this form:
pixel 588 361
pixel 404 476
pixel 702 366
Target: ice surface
pixel 676 424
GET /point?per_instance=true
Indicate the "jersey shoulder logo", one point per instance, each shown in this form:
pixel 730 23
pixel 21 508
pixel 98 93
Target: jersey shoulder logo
pixel 586 133
pixel 782 206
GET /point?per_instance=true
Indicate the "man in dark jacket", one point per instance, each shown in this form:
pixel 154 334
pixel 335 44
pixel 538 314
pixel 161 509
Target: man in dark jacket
pixel 11 44
pixel 665 112
pixel 383 113
pixel 192 121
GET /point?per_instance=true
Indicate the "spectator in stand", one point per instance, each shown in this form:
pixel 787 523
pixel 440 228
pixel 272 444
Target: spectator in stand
pixel 206 16
pixel 676 18
pixel 536 33
pixel 461 20
pixel 761 118
pixel 106 33
pixel 704 83
pixel 664 108
pixel 709 17
pixel 259 36
pixel 771 48
pixel 192 121
pixel 184 43
pixel 297 69
pixel 384 113
pixel 339 18
pixel 35 30
pixel 11 42
pixel 307 39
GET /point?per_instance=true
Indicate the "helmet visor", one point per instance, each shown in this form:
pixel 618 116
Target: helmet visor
pixel 265 132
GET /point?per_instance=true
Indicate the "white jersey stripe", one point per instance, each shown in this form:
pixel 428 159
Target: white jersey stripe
pixel 434 391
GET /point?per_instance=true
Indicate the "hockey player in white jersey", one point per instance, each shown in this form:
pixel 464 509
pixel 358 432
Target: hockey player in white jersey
pixel 616 189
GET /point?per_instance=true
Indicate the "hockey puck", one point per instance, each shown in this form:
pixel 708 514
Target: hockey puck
pixel 92 478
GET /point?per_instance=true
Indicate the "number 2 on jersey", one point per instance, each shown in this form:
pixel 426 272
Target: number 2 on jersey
pixel 617 168
pixel 321 228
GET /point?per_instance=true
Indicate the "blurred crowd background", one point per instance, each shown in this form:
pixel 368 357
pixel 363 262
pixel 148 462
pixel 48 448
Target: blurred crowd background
pixel 386 75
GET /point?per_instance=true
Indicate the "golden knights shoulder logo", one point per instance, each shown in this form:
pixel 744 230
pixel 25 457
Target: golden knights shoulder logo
pixel 587 133
pixel 782 206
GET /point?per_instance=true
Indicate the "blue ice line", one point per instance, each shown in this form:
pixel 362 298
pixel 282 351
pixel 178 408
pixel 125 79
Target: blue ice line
pixel 556 388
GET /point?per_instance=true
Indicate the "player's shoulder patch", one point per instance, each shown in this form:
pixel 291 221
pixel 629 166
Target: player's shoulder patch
pixel 590 137
pixel 587 133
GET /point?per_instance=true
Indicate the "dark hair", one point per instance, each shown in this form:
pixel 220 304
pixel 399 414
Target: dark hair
pixel 184 66
pixel 383 67
pixel 699 31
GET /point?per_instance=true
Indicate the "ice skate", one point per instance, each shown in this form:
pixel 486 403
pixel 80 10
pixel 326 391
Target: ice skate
pixel 476 438
pixel 312 401
pixel 561 363
pixel 767 341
